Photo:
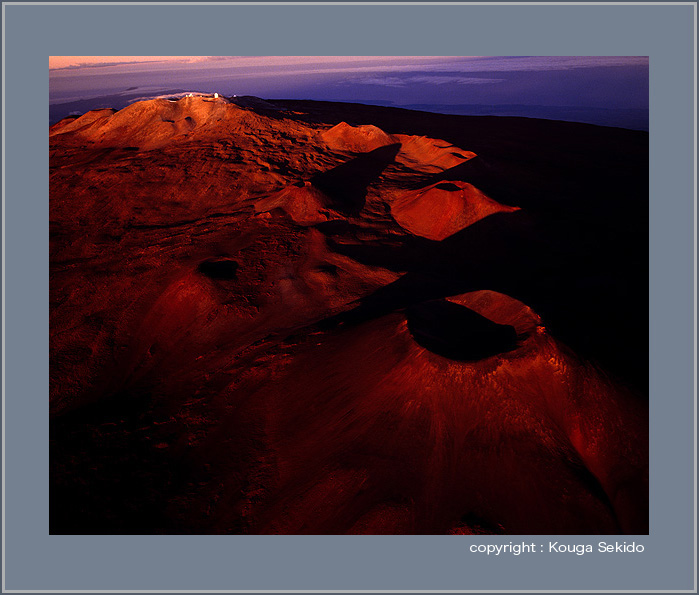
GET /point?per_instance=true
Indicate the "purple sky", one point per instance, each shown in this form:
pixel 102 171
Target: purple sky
pixel 599 82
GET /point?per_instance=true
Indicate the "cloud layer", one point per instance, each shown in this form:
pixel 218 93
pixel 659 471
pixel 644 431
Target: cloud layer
pixel 351 64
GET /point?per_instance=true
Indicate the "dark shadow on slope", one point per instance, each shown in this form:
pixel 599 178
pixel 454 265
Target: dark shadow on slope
pixel 457 332
pixel 346 184
pixel 587 478
pixel 106 472
pixel 488 178
pixel 568 275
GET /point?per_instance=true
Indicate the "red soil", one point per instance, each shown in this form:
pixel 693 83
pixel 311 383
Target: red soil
pixel 442 209
pixel 230 347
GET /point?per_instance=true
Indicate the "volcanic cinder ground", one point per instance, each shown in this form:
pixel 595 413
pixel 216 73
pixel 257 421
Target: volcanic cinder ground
pixel 302 317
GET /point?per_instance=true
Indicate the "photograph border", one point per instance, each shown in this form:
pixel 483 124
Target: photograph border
pixel 39 562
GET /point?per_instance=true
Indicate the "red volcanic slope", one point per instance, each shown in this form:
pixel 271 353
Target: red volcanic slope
pixel 440 210
pixel 304 203
pixel 231 350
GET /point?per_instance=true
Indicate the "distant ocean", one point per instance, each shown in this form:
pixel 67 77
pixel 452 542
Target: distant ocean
pixel 634 119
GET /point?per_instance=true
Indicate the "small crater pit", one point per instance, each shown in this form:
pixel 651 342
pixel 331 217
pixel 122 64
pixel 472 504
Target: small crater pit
pixel 448 186
pixel 222 269
pixel 329 269
pixel 457 332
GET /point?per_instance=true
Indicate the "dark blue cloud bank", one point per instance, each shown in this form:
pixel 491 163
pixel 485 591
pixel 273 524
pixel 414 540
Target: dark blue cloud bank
pixel 609 91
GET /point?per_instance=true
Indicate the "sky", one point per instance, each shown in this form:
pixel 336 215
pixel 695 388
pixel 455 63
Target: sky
pixel 591 83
